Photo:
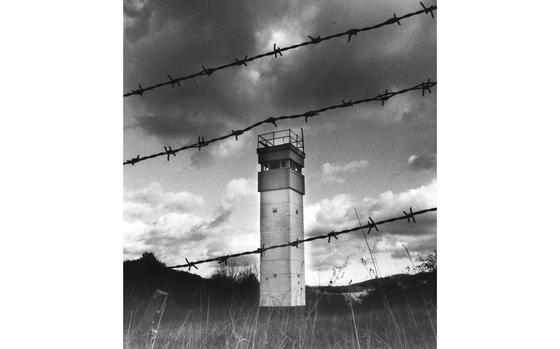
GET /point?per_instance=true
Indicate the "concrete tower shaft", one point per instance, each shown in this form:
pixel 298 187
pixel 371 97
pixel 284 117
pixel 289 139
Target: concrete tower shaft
pixel 281 185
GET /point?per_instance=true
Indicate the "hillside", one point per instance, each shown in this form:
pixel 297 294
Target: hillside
pixel 186 291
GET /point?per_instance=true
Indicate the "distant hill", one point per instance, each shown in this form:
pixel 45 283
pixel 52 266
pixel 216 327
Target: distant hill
pixel 402 280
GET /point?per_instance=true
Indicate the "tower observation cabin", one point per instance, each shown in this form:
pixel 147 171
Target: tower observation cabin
pixel 281 185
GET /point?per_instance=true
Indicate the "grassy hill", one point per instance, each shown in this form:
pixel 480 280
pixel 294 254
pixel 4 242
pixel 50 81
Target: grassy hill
pixel 186 291
pixel 240 289
pixel 222 311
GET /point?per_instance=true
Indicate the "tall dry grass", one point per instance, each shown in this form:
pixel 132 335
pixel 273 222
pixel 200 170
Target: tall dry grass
pixel 382 326
pixel 399 314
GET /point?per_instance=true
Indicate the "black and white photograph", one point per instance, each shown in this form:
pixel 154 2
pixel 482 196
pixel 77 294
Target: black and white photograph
pixel 280 185
pixel 181 174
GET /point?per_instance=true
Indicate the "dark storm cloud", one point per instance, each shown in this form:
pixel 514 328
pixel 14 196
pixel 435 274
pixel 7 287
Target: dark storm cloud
pixel 175 125
pixel 136 19
pixel 176 37
pixel 179 37
pixel 422 162
pixel 367 65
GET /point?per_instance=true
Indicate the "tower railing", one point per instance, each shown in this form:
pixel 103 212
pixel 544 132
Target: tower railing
pixel 275 138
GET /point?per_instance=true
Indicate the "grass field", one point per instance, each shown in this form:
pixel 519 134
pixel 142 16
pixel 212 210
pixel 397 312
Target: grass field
pixel 393 327
pixel 222 312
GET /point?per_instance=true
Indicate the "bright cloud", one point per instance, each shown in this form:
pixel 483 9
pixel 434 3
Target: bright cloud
pixel 165 222
pixel 240 189
pixel 338 213
pixel 334 173
pixel 150 202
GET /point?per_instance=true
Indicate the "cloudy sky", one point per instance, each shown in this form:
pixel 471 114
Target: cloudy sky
pixel 378 160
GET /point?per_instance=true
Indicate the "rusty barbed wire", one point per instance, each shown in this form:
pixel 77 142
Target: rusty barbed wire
pixel 424 86
pixel 369 226
pixel 277 51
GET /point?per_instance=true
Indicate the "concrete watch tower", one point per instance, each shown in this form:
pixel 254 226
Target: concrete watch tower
pixel 281 185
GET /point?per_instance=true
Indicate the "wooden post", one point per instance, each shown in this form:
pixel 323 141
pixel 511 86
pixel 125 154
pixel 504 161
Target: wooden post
pixel 150 321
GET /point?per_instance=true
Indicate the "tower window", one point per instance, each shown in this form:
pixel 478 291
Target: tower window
pixel 295 166
pixel 297 212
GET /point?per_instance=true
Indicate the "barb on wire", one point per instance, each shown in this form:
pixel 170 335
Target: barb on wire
pixel 236 134
pixel 201 142
pixel 409 216
pixel 315 40
pixel 295 243
pixel 309 114
pixel 207 71
pixel 241 62
pixel 273 120
pixel 223 259
pixel 173 81
pixel 190 265
pixel 427 10
pixel 278 51
pixel 330 235
pixel 351 32
pixel 426 87
pixel 134 160
pixel 371 224
pixel 396 19
pixel 385 97
pixel 169 152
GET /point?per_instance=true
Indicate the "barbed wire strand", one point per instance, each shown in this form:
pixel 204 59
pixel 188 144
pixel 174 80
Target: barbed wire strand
pixel 277 51
pixel 383 97
pixel 409 216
